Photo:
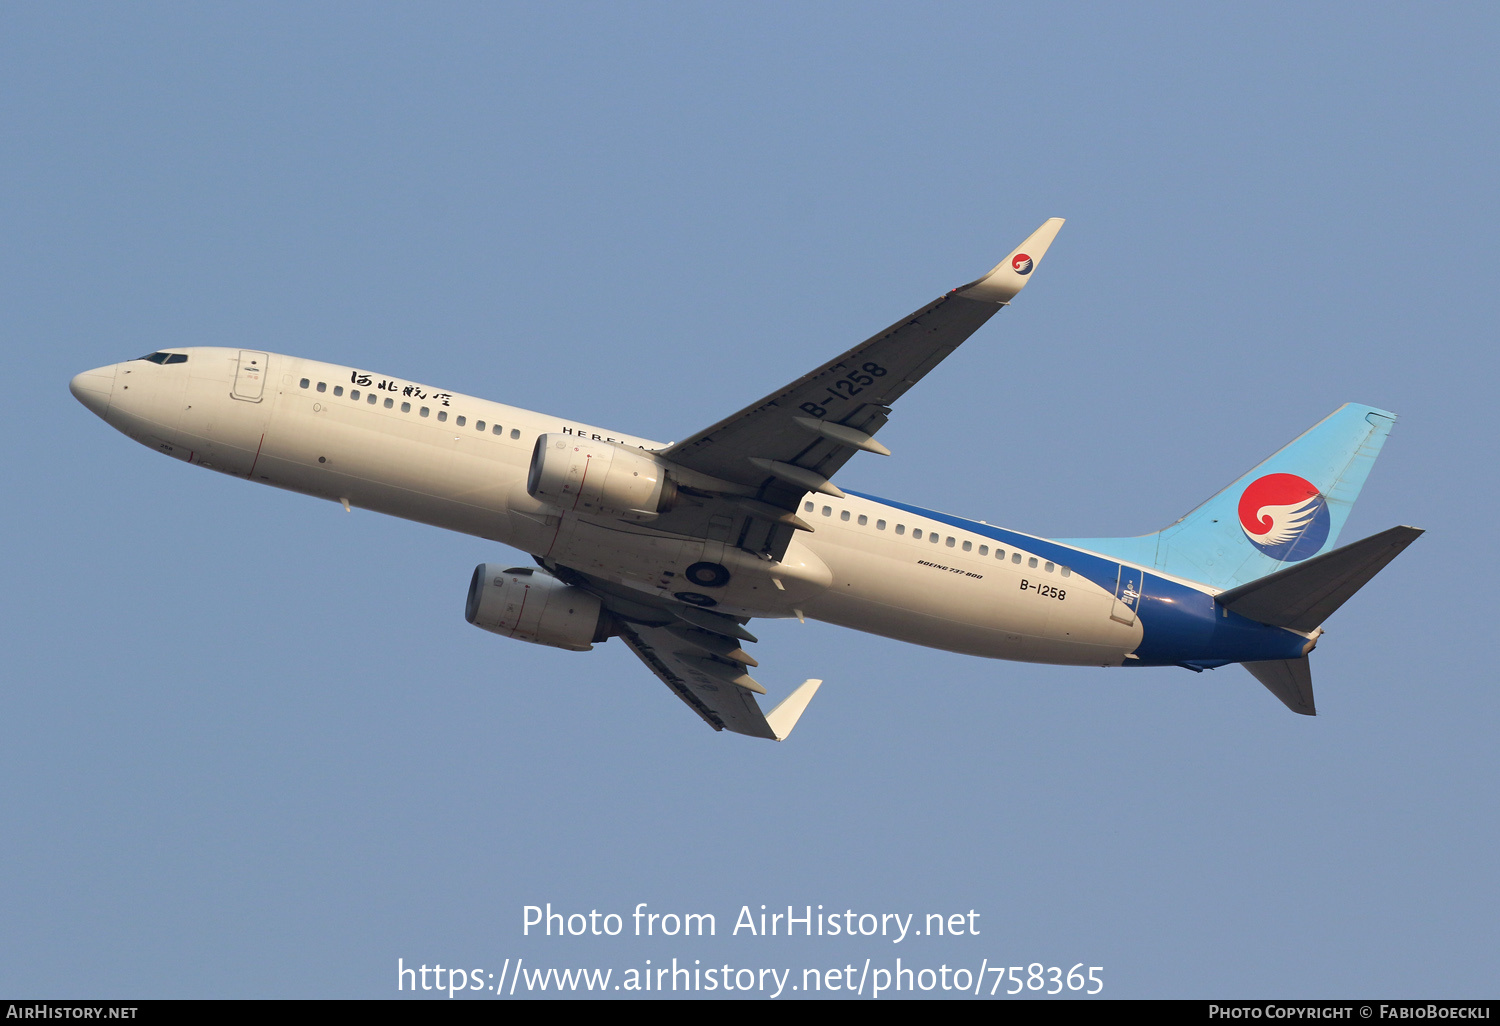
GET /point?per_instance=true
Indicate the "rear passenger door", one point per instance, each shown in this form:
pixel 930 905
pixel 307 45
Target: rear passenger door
pixel 1127 595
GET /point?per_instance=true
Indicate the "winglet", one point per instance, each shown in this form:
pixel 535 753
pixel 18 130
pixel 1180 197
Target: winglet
pixel 785 716
pixel 1011 274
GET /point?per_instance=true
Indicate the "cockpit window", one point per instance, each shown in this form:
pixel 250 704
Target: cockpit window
pixel 165 357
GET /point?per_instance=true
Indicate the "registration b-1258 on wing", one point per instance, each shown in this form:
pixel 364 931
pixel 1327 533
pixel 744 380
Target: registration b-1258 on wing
pixel 674 549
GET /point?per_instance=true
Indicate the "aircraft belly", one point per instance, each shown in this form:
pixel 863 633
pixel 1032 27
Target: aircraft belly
pixel 969 605
pixel 640 557
pixel 919 627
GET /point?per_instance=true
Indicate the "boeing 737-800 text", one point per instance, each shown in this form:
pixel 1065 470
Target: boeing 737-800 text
pixel 674 548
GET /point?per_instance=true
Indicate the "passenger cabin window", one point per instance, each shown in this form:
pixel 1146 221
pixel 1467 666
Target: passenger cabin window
pixel 916 532
pixel 442 415
pixel 305 381
pixel 338 389
pixel 515 432
pixel 1047 567
pixel 1015 557
pixel 388 403
pixel 460 422
pixel 1031 562
pixel 844 516
pixel 479 425
pixel 863 520
pixel 984 550
pixel 807 507
pixel 1066 572
pixel 497 430
pixel 900 528
pixel 354 394
pixel 880 525
pixel 968 545
pixel 828 511
pixel 406 407
pixel 425 411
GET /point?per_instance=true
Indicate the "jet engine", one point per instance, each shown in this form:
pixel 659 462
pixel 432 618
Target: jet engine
pixel 534 606
pixel 602 478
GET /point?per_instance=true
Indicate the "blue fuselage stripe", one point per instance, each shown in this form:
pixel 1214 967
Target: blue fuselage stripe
pixel 1180 625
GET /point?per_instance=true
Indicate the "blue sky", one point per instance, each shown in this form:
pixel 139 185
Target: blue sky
pixel 252 749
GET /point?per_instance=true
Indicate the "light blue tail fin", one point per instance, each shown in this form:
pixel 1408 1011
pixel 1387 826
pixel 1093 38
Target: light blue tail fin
pixel 1288 509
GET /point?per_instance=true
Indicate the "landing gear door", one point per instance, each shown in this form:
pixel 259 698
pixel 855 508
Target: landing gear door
pixel 1127 595
pixel 250 376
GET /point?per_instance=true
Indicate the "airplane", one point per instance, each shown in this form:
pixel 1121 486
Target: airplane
pixel 674 548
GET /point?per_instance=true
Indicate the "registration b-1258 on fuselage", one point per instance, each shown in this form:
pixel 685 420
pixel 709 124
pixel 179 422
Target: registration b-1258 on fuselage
pixel 675 548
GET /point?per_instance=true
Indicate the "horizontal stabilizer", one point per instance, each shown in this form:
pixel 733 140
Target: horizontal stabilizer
pixel 1289 680
pixel 785 716
pixel 1305 594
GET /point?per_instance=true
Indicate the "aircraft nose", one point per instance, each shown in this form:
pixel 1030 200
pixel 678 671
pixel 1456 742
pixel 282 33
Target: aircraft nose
pixel 93 388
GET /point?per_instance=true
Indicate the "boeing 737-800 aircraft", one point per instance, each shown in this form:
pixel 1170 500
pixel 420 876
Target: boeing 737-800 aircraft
pixel 674 548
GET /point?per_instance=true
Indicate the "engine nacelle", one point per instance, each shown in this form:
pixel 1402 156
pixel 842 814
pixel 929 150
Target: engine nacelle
pixel 602 478
pixel 535 606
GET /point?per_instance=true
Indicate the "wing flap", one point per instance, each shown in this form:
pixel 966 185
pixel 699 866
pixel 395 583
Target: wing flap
pixel 723 704
pixel 649 655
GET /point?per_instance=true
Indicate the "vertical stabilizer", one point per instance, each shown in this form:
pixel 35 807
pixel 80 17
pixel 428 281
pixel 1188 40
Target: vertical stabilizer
pixel 1289 508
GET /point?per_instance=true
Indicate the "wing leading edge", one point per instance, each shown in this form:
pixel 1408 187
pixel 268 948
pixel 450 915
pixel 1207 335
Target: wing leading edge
pixel 795 439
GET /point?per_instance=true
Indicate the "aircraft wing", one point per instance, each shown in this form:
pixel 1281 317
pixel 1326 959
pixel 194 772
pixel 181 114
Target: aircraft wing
pixel 701 669
pixel 796 438
pixel 755 467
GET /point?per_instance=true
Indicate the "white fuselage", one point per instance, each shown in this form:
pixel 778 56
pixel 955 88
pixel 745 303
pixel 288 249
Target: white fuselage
pixel 457 462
